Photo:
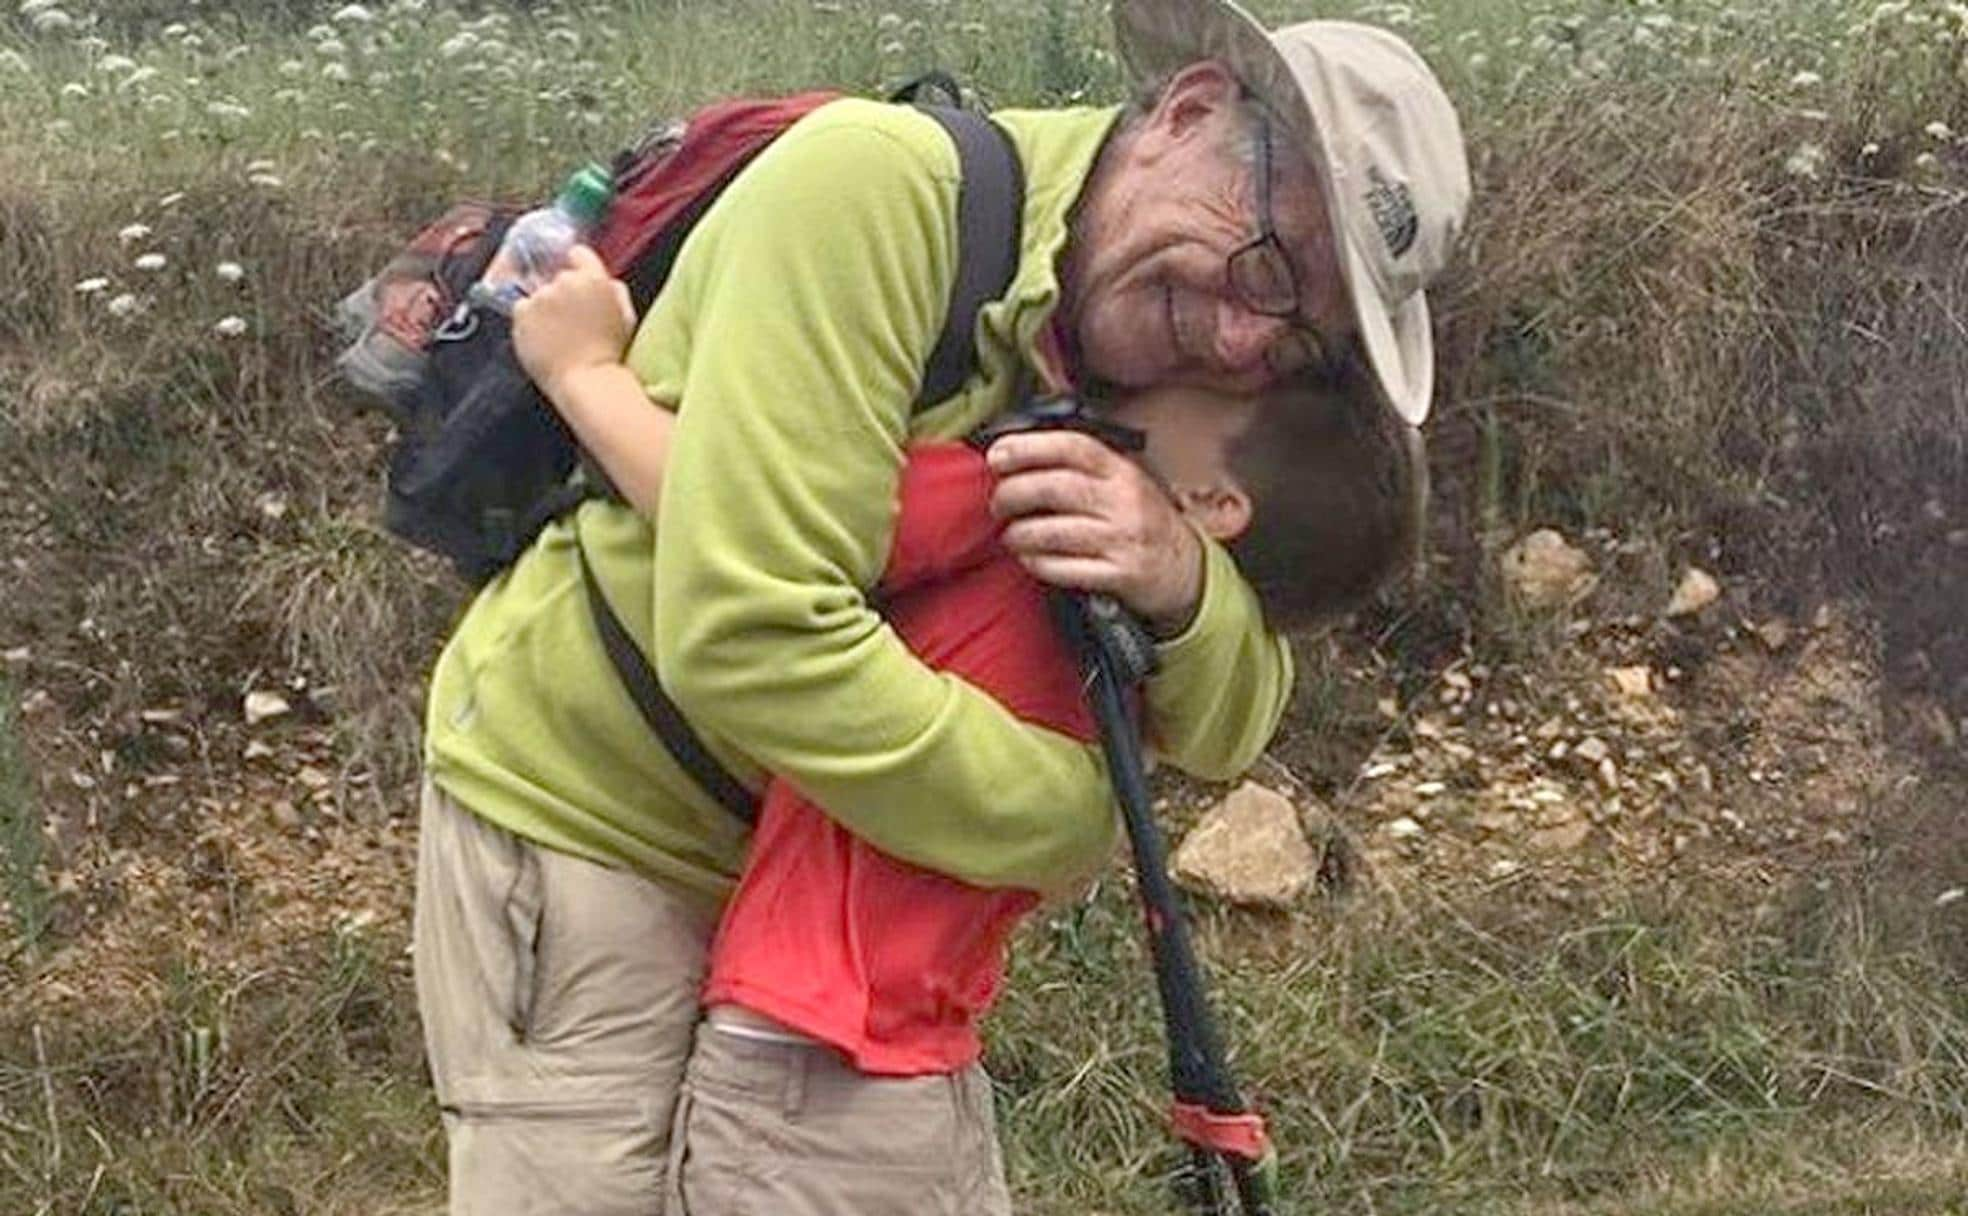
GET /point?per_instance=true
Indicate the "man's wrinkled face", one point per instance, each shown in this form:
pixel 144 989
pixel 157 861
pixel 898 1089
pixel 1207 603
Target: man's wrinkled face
pixel 1154 299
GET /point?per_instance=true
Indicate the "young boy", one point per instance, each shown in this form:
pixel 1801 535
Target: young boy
pixel 837 1069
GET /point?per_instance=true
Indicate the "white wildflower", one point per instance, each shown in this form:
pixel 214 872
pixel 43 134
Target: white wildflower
pixel 149 261
pixel 10 58
pixel 1938 130
pixel 1806 162
pixel 228 109
pixel 1953 895
pixel 1926 162
pixel 316 33
pixel 457 44
pixel 124 305
pixel 231 272
pixel 888 21
pixel 191 42
pixel 336 71
pixel 171 200
pixel 136 78
pixel 352 14
pixel 1478 61
pixel 115 63
pixel 333 48
pixel 1870 149
pixel 91 286
pixel 75 88
pixel 132 232
pixel 269 181
pixel 30 8
pixel 52 21
pixel 177 29
pixel 287 96
pixel 891 47
pixel 291 67
pixel 1806 80
pixel 230 327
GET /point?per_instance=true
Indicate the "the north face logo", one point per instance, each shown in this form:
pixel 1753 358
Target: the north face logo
pixel 1393 211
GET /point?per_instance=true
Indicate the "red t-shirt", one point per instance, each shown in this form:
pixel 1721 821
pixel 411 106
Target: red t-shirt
pixel 890 963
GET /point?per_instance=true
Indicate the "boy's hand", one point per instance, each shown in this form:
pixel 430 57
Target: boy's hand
pixel 578 320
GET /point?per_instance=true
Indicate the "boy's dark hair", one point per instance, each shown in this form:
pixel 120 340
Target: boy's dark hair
pixel 1339 492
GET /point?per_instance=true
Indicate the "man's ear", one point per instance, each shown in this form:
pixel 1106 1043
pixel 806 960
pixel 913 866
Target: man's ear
pixel 1188 102
pixel 1223 510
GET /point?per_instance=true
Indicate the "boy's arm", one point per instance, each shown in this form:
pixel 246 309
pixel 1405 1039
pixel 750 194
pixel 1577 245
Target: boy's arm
pixel 569 336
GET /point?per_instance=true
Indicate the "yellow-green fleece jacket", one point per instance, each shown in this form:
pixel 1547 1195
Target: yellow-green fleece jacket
pixel 790 339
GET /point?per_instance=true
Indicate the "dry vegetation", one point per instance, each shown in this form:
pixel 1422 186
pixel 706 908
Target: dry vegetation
pixel 1712 312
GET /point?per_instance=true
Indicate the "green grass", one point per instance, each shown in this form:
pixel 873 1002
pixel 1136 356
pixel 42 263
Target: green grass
pixel 292 1086
pixel 1466 1056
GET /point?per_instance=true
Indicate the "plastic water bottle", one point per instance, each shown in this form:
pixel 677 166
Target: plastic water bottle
pixel 537 244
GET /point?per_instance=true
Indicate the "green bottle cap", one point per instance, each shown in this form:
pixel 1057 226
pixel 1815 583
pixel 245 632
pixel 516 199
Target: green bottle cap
pixel 587 194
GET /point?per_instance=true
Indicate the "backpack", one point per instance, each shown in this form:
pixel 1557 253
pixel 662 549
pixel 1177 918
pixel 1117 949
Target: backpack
pixel 482 463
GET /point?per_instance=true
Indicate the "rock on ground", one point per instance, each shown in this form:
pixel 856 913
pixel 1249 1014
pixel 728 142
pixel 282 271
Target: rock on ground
pixel 1248 849
pixel 1543 571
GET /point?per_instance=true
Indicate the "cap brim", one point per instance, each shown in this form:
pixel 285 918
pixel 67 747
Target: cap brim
pixel 1400 347
pixel 1157 37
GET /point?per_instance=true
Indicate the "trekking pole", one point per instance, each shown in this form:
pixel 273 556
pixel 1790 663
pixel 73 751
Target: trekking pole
pixel 1208 1113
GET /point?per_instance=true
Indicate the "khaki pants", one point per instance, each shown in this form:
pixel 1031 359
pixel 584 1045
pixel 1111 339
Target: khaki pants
pixel 558 999
pixel 779 1129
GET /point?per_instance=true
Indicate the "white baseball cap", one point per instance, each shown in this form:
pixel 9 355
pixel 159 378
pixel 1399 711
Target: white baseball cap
pixel 1377 128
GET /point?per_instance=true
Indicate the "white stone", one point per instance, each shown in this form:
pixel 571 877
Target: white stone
pixel 1632 681
pixel 262 706
pixel 1697 591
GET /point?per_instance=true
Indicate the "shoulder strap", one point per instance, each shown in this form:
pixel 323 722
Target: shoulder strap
pixel 990 205
pixel 990 222
pixel 638 678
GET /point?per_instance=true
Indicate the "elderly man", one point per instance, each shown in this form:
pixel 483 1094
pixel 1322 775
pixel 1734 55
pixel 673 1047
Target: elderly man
pixel 1272 199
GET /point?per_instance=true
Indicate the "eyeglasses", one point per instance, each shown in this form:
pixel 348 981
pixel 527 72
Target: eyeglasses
pixel 1261 277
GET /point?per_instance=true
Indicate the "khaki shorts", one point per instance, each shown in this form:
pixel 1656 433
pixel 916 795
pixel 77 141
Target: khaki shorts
pixel 785 1129
pixel 558 999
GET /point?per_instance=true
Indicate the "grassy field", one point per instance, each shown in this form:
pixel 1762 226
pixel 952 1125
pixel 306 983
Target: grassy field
pixel 1711 300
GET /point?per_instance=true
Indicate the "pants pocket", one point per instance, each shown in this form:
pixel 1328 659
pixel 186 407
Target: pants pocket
pixel 524 910
pixel 706 1174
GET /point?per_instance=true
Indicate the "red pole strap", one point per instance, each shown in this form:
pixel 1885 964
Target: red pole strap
pixel 1240 1135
